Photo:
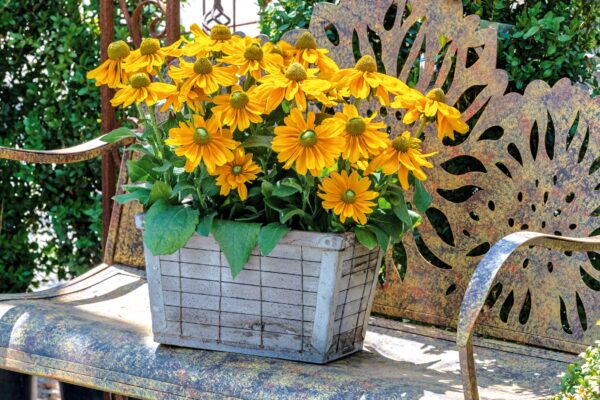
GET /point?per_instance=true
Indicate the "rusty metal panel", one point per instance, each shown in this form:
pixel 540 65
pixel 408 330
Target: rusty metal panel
pixel 530 162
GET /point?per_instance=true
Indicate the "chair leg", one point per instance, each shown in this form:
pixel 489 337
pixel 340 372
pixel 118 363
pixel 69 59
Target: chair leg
pixel 15 386
pixel 467 371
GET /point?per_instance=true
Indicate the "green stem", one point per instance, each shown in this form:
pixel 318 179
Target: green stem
pixel 157 135
pixel 144 119
pixel 419 133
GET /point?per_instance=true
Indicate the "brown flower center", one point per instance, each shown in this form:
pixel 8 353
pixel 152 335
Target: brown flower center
pixel 139 80
pixel 401 144
pixel 203 66
pixel 436 94
pixel 253 53
pixel 366 64
pixel 308 138
pixel 356 126
pixel 201 136
pixel 220 32
pixel 238 100
pixel 296 72
pixel 349 196
pixel 306 41
pixel 237 169
pixel 149 46
pixel 118 50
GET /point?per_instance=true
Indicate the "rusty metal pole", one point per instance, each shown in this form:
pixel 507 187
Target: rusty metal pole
pixel 173 21
pixel 107 34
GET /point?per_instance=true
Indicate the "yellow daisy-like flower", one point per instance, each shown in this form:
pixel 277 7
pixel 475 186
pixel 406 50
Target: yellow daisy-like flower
pixel 203 75
pixel 432 107
pixel 308 54
pixel 202 140
pixel 236 173
pixel 348 195
pixel 285 50
pixel 363 137
pixel 193 99
pixel 220 36
pixel 296 84
pixel 363 79
pixel 141 88
pixel 150 57
pixel 402 155
pixel 238 109
pixel 309 147
pixel 251 58
pixel 111 71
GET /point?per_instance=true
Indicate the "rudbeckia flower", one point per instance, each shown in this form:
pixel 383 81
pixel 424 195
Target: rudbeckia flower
pixel 307 54
pixel 204 75
pixel 363 79
pixel 285 50
pixel 402 155
pixel 141 88
pixel 296 84
pixel 236 173
pixel 363 137
pixel 238 109
pixel 202 141
pixel 111 71
pixel 348 195
pixel 432 107
pixel 192 99
pixel 252 58
pixel 150 57
pixel 220 36
pixel 308 147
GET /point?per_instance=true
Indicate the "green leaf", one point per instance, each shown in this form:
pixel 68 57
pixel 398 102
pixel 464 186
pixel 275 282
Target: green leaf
pixel 206 222
pixel 382 237
pixel 258 141
pixel 266 188
pixel 287 215
pixel 237 240
pixel 163 168
pixel 117 134
pixel 284 190
pixel 366 237
pixel 421 197
pixel 160 191
pixel 416 219
pixel 140 169
pixel 532 31
pixel 139 195
pixel 564 38
pixel 168 228
pixel 399 206
pixel 270 235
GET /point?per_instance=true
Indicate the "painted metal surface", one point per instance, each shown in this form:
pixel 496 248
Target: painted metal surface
pixel 96 332
pixel 530 162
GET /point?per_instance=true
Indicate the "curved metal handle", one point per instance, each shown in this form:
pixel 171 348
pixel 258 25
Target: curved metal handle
pixel 481 284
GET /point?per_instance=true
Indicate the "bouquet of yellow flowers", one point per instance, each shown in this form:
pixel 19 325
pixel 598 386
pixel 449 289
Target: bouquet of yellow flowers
pixel 262 138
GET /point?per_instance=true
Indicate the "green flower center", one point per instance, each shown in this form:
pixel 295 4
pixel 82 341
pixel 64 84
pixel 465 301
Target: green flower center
pixel 118 50
pixel 401 144
pixel 238 100
pixel 237 169
pixel 220 32
pixel 356 126
pixel 139 80
pixel 201 136
pixel 253 53
pixel 306 41
pixel 349 196
pixel 437 94
pixel 308 138
pixel 366 64
pixel 149 46
pixel 296 72
pixel 203 66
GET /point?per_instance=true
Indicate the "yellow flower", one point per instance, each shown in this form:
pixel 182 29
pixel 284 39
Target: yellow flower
pixel 141 88
pixel 111 71
pixel 253 59
pixel 310 148
pixel 204 75
pixel 220 36
pixel 285 50
pixel 363 79
pixel 295 84
pixel 348 195
pixel 235 173
pixel 192 99
pixel 362 136
pixel 150 57
pixel 307 54
pixel 432 107
pixel 238 109
pixel 402 155
pixel 202 140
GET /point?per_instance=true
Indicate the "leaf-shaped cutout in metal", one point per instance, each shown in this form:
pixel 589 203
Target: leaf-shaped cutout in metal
pixel 390 16
pixel 572 131
pixel 513 150
pixel 494 295
pixel 594 259
pixel 525 309
pixel 507 307
pixel 332 34
pixel 440 223
pixel 504 169
pixel 428 254
pixel 492 133
pixel 589 280
pixel 550 137
pixel 463 165
pixel 479 250
pixel 472 57
pixel 581 312
pixel 459 195
pixel 451 289
pixel 564 318
pixel 534 140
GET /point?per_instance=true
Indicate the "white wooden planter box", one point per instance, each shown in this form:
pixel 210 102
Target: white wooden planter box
pixel 309 300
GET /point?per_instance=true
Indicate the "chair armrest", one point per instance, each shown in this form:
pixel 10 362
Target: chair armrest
pixel 481 284
pixel 81 152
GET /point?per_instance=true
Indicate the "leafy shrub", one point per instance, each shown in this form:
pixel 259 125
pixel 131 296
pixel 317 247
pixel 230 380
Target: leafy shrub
pixel 278 17
pixel 582 381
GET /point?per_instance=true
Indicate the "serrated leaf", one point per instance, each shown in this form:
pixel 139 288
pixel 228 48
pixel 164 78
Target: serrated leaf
pixel 366 237
pixel 421 197
pixel 206 222
pixel 160 191
pixel 117 134
pixel 168 228
pixel 237 240
pixel 270 235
